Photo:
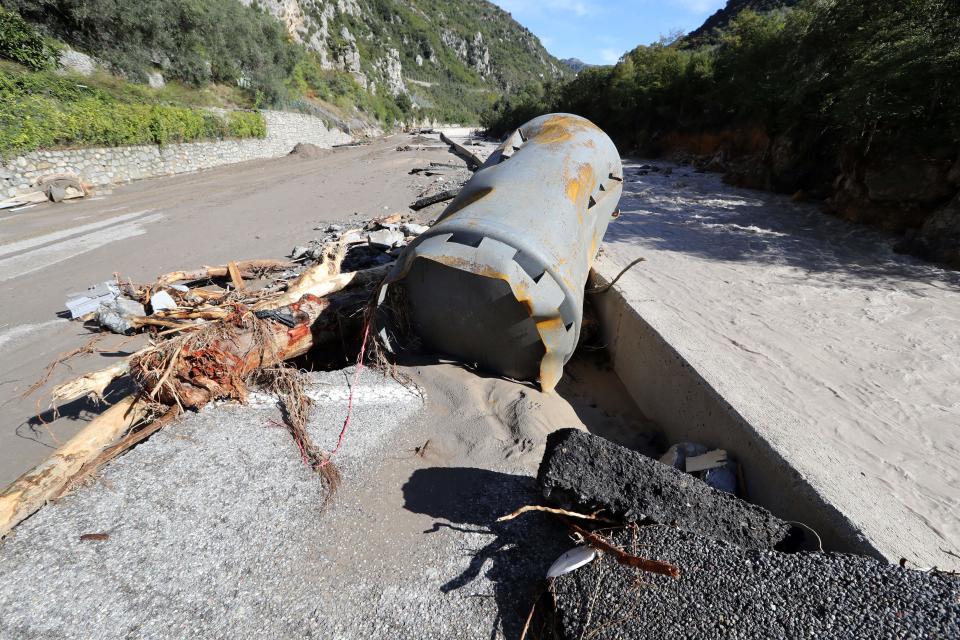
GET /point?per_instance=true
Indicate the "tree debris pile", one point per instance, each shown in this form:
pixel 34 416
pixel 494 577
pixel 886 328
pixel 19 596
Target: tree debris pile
pixel 215 332
pixel 665 555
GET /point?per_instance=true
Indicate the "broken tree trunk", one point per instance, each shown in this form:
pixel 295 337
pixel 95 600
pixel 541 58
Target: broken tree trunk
pixel 216 360
pixel 36 487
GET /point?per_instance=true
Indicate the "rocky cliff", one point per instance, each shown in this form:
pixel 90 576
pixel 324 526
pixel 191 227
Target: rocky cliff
pixel 435 52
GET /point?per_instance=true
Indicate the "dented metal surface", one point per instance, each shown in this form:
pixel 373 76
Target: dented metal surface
pixel 499 279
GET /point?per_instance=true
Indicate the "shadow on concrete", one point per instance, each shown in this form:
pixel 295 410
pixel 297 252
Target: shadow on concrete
pixel 696 214
pixel 36 426
pixel 519 552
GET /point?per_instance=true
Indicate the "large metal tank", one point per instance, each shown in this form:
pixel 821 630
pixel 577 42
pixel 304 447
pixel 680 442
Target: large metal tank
pixel 499 280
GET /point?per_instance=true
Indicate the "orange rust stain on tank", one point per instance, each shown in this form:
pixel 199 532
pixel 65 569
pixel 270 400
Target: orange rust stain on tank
pixel 581 185
pixel 466 201
pixel 561 128
pixel 522 295
pixel 550 324
pixel 594 246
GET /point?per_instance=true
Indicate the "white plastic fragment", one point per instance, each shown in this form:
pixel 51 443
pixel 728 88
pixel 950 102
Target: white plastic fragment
pixel 572 560
pixel 709 460
pixel 161 301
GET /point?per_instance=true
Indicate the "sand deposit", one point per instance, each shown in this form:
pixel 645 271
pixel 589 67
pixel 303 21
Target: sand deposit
pixel 844 352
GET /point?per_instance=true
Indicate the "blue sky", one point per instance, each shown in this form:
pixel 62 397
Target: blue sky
pixel 600 31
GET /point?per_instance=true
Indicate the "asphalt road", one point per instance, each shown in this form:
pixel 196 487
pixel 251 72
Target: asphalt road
pixel 258 209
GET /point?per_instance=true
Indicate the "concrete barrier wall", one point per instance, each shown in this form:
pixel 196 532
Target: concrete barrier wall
pixel 109 165
pixel 688 409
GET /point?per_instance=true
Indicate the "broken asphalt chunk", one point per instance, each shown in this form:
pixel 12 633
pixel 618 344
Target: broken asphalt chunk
pixel 583 472
pixel 728 592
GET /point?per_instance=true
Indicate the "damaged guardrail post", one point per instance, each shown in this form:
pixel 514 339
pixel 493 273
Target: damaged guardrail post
pixel 499 280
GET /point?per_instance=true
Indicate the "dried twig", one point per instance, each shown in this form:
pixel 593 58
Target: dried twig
pixel 558 512
pixel 61 359
pixel 609 285
pixel 621 556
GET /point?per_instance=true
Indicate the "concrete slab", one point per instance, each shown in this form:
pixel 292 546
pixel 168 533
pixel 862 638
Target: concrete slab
pixel 825 362
pixel 216 529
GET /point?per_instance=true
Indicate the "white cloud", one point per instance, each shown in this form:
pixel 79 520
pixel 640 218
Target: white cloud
pixel 610 56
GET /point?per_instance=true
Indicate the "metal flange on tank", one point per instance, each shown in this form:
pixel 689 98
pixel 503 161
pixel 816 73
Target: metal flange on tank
pixel 499 280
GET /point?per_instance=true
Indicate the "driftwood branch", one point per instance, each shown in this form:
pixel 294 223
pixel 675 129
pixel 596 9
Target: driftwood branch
pixel 35 488
pixel 133 438
pixel 93 383
pixel 246 269
pixel 315 283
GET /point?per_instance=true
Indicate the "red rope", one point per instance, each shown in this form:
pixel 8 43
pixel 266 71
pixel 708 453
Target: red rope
pixel 356 378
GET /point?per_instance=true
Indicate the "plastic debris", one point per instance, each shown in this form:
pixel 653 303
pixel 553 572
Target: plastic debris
pixel 706 461
pixel 161 301
pixel 571 561
pixel 80 304
pixel 712 466
pixel 117 314
pixel 676 456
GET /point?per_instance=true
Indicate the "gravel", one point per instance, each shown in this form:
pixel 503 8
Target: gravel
pixel 586 472
pixel 729 592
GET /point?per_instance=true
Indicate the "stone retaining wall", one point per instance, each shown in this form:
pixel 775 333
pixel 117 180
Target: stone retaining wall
pixel 109 165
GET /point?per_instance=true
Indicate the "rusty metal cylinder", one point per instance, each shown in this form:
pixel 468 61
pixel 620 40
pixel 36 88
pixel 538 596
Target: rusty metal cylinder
pixel 499 280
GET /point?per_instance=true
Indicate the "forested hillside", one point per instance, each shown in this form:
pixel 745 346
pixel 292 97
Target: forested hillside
pixel 851 100
pixel 391 59
pixel 708 32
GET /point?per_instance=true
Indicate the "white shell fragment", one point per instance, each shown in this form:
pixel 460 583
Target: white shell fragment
pixel 571 561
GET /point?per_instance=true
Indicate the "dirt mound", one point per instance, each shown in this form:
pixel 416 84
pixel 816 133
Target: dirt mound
pixel 308 151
